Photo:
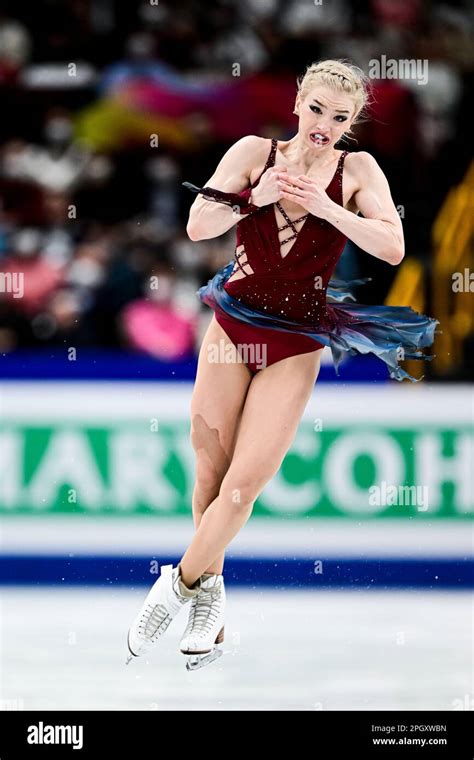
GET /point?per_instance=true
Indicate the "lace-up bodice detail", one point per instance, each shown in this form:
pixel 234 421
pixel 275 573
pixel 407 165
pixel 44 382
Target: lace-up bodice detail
pixel 289 223
pixel 287 274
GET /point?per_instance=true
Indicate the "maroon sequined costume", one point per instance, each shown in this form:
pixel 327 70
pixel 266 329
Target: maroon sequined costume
pixel 288 303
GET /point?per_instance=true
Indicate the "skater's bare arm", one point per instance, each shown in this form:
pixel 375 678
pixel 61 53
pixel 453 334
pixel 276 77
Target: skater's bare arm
pixel 380 231
pixel 209 219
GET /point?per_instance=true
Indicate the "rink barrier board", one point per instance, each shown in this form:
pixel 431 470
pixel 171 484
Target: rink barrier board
pixel 124 450
pixel 431 573
pixel 122 366
pixel 262 537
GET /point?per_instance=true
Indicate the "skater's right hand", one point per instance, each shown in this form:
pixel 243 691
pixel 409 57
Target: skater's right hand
pixel 268 189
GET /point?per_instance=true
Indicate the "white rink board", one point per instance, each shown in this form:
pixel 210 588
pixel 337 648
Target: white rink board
pixel 262 537
pixel 394 403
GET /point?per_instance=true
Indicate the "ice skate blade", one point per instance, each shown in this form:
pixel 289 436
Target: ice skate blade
pixel 130 655
pixel 197 661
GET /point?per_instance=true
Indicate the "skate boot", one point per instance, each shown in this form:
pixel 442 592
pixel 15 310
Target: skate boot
pixel 205 629
pixel 164 600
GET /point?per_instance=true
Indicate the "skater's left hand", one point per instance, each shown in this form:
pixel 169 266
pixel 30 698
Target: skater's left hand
pixel 308 193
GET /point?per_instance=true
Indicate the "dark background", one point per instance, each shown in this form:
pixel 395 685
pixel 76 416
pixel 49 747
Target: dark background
pixel 82 142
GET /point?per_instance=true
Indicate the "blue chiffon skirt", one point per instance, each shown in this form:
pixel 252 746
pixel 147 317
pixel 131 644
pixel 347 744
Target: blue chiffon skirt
pixel 392 333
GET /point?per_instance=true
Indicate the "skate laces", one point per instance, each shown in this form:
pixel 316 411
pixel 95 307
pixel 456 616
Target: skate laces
pixel 154 621
pixel 203 613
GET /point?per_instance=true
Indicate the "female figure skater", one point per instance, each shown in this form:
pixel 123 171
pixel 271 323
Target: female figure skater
pixel 295 204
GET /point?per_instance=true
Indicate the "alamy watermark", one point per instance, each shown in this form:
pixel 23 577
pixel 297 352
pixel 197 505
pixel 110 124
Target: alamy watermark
pixel 388 495
pixel 242 353
pixel 49 734
pixel 463 282
pixel 12 282
pixel 415 69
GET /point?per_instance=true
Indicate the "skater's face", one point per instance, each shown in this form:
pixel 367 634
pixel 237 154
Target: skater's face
pixel 324 115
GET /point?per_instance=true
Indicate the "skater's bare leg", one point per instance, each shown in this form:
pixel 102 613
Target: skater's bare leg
pixel 216 407
pixel 275 401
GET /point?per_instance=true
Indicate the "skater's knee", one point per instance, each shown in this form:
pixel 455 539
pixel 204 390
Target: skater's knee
pixel 241 487
pixel 207 478
pixel 212 461
pixel 206 489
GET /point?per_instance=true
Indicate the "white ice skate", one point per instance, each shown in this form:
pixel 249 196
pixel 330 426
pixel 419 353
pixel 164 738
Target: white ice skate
pixel 162 603
pixel 205 629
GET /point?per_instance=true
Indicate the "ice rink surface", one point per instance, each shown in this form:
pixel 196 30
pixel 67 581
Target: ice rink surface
pixel 296 650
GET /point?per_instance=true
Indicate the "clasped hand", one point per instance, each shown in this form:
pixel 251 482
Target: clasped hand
pixel 308 193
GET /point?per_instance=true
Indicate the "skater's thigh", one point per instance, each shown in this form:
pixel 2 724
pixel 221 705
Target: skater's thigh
pixel 273 408
pixel 217 401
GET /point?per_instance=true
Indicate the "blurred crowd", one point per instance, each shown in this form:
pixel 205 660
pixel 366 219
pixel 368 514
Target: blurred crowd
pixel 100 232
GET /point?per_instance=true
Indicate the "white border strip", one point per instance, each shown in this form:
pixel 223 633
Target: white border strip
pixel 260 537
pixel 338 404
